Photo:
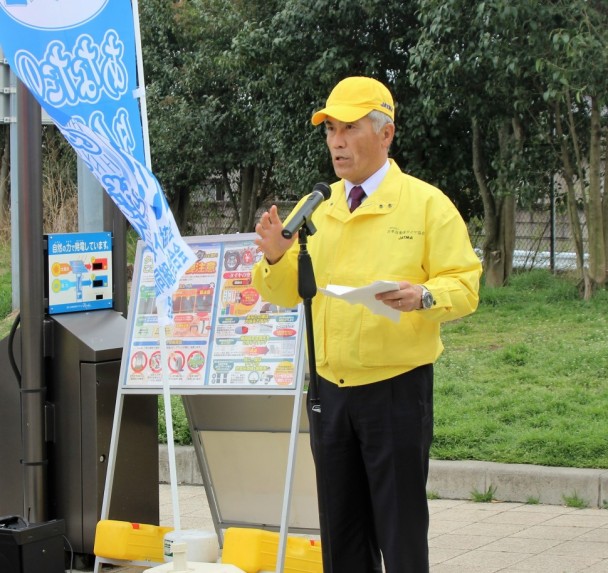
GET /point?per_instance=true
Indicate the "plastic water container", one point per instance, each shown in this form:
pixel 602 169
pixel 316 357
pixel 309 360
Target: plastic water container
pixel 255 550
pixel 130 541
pixel 201 546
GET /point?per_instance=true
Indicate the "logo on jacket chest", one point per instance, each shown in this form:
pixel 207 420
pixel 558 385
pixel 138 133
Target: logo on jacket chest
pixel 405 234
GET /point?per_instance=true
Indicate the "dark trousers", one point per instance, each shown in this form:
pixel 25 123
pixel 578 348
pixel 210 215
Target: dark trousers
pixel 371 447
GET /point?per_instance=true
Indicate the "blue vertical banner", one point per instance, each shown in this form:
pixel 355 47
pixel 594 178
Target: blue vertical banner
pixel 78 58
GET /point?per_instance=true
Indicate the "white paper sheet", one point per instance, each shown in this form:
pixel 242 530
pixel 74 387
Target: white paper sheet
pixel 366 295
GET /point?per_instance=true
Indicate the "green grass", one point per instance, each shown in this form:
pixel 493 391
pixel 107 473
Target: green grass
pixel 132 240
pixel 525 378
pixel 181 429
pixel 483 496
pixel 575 501
pixel 6 297
pixel 522 380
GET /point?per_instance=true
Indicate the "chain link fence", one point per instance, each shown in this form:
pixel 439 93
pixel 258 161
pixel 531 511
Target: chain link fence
pixel 220 218
pixel 542 241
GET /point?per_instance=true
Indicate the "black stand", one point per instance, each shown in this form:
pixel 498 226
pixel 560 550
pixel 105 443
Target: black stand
pixel 31 547
pixel 307 289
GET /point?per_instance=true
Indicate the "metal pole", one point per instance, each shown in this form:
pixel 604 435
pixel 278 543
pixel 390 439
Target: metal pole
pixel 113 219
pixel 14 159
pixel 31 272
pixel 97 212
pixel 141 84
pixel 115 222
pixel 90 200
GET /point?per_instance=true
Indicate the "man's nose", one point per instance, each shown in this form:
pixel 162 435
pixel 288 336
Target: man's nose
pixel 337 140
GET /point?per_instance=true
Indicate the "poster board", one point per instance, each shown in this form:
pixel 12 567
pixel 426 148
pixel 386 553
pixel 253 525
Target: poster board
pixel 225 337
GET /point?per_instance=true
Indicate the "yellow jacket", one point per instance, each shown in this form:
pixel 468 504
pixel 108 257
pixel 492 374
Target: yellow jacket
pixel 406 230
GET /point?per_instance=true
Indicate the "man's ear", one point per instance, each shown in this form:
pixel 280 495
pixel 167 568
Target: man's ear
pixel 388 133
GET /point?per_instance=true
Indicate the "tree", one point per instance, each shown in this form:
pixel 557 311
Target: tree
pixel 232 86
pixel 572 67
pixel 473 59
pixel 202 123
pixel 309 47
pixel 528 73
pixel 59 182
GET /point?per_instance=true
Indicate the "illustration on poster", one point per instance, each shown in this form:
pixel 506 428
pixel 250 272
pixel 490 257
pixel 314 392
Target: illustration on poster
pixel 155 363
pixel 139 361
pixel 234 258
pixel 176 361
pixel 79 269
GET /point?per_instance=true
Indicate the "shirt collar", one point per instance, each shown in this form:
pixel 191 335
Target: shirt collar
pixel 371 183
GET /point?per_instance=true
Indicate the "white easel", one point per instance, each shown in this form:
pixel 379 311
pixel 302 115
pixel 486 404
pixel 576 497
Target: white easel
pixel 295 390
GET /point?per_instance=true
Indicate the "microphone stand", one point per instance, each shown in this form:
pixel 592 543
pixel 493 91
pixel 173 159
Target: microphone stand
pixel 307 289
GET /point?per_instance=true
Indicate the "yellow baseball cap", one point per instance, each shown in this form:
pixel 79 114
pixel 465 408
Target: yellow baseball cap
pixel 353 98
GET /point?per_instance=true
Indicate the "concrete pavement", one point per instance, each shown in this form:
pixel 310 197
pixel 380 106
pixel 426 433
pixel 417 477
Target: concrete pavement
pixel 527 528
pixel 470 537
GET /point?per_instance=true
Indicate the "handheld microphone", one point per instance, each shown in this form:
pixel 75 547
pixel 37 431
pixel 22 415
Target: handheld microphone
pixel 320 192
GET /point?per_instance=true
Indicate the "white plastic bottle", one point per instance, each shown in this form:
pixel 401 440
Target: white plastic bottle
pixel 180 564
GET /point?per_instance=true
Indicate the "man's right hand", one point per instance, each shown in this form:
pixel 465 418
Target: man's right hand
pixel 271 241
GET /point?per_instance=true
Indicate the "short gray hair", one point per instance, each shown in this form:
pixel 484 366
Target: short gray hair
pixel 379 119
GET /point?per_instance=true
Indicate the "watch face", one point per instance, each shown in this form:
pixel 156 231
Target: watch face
pixel 427 300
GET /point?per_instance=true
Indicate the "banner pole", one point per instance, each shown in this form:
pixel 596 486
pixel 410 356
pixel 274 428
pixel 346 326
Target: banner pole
pixel 141 94
pixel 164 354
pixel 141 84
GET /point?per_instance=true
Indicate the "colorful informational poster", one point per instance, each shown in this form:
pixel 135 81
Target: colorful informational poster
pixel 79 272
pixel 224 334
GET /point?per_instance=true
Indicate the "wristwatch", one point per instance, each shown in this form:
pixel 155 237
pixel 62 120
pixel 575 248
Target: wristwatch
pixel 427 298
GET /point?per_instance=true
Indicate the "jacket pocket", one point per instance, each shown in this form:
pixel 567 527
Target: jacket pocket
pixel 383 342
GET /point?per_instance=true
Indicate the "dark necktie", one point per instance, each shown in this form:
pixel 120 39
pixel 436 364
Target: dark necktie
pixel 356 196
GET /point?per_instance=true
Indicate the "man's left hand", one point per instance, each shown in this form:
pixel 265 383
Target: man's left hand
pixel 406 299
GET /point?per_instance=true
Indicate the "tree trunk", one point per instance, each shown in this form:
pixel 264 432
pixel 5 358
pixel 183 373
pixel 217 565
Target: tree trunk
pixel 491 257
pixel 575 223
pixel 180 207
pixel 595 223
pixel 248 177
pixel 253 200
pixel 499 215
pixel 254 189
pixel 605 201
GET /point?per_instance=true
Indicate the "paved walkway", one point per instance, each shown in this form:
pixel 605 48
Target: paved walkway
pixel 469 537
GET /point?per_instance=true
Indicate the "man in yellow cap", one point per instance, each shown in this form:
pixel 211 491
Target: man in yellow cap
pixel 375 374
